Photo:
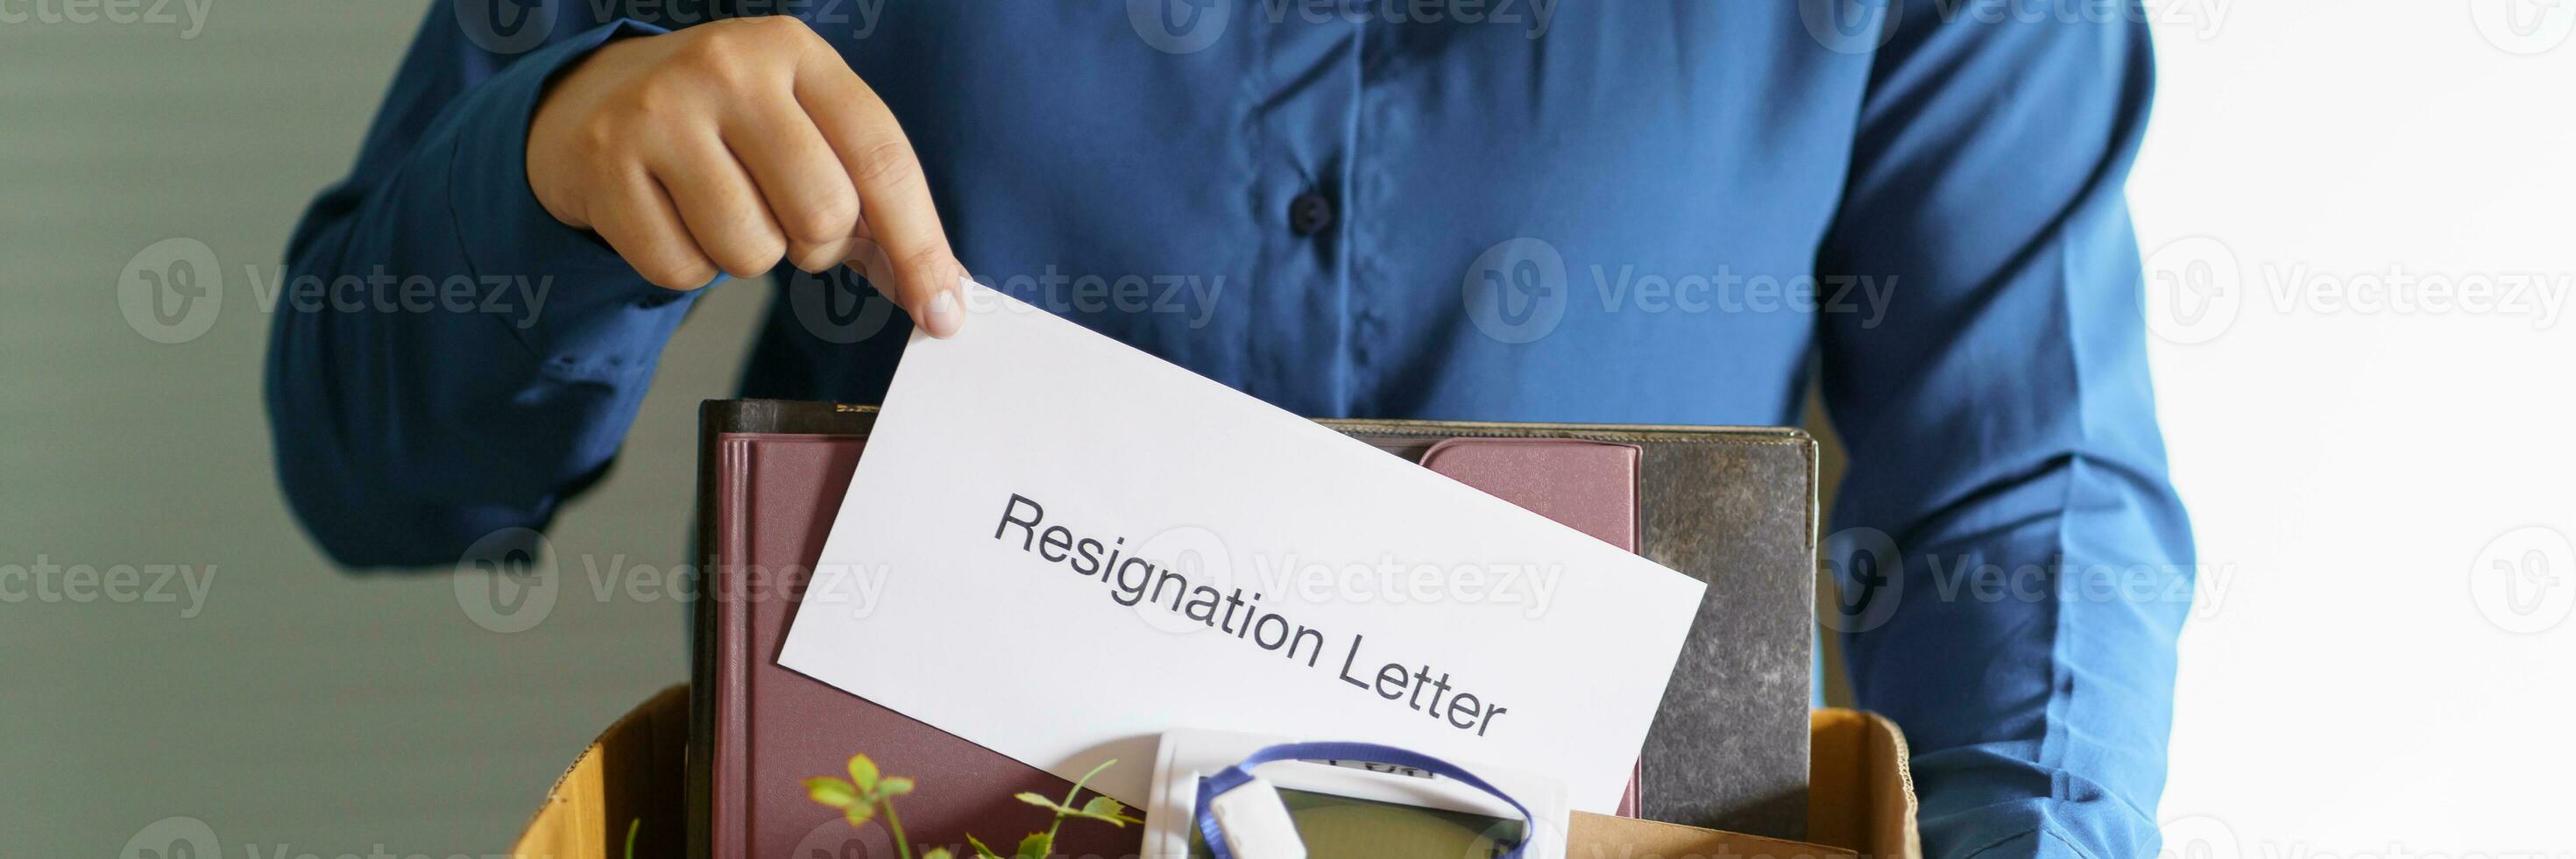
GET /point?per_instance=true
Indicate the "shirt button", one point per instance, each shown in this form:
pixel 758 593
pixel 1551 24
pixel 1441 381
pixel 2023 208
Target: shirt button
pixel 1310 213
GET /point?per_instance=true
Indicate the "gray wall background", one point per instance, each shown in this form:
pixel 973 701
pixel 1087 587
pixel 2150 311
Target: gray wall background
pixel 299 707
pixel 296 707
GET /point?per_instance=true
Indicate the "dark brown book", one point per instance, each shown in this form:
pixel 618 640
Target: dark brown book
pixel 1734 507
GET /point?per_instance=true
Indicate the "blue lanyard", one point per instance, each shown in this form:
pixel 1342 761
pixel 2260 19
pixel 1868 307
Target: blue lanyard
pixel 1234 776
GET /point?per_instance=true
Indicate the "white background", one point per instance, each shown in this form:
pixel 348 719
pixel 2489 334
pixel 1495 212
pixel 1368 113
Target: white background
pixel 2342 692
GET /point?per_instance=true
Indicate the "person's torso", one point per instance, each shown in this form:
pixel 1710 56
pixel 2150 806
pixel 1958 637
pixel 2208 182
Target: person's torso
pixel 1441 210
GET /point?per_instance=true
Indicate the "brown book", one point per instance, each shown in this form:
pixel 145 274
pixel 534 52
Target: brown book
pixel 1734 507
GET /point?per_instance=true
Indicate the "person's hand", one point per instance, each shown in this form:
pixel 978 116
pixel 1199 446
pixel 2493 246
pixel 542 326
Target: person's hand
pixel 732 145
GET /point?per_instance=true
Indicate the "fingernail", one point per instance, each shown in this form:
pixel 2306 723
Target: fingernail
pixel 944 315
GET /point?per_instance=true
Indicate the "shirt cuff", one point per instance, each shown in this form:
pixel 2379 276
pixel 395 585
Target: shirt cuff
pixel 599 315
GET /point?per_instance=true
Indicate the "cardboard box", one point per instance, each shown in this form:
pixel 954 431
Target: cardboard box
pixel 1861 802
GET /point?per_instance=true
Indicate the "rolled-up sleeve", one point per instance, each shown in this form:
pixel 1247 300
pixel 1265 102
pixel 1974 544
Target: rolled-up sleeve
pixel 2014 561
pixel 447 361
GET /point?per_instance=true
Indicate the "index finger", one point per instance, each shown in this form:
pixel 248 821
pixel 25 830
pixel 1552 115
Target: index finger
pixel 894 196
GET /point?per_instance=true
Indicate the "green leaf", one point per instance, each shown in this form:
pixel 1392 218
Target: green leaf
pixel 859 813
pixel 981 851
pixel 893 785
pixel 1105 809
pixel 1037 846
pixel 936 853
pixel 863 772
pixel 631 826
pixel 1045 803
pixel 831 791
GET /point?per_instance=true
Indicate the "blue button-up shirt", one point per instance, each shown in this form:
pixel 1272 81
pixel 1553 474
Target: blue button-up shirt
pixel 1652 212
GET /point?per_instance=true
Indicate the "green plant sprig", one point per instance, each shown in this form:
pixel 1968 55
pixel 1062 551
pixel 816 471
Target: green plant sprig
pixel 867 795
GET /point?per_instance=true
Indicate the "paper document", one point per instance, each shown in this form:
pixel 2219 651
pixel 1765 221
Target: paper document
pixel 1058 547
